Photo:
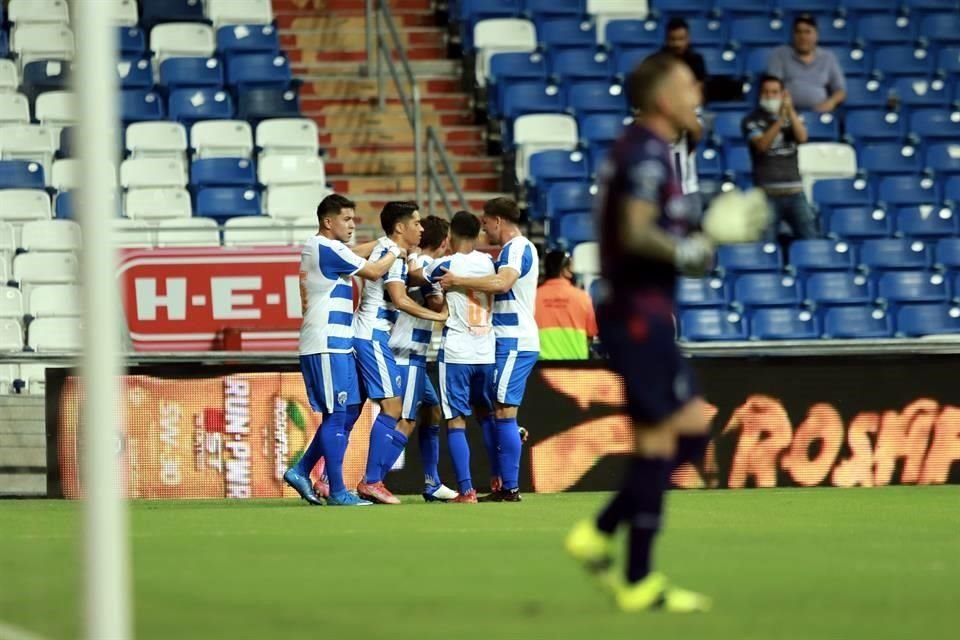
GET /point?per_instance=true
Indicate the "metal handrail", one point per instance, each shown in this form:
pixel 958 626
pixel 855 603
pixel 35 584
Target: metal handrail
pixel 435 145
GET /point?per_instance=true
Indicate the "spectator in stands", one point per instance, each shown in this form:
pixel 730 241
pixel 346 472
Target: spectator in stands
pixel 812 75
pixel 774 129
pixel 678 43
pixel 564 312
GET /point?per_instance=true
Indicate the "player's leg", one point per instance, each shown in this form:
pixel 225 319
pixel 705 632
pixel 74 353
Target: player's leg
pixel 411 392
pixel 455 399
pixel 488 423
pixel 428 435
pixel 381 380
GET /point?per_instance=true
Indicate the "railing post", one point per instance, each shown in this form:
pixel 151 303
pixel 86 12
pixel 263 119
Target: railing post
pixel 418 142
pixel 369 36
pixel 430 175
pixel 382 50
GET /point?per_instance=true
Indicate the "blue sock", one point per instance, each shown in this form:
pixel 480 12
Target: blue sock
pixel 429 439
pixel 489 425
pixel 314 451
pixel 460 452
pixel 396 443
pixel 383 425
pixel 350 419
pixel 334 447
pixel 508 443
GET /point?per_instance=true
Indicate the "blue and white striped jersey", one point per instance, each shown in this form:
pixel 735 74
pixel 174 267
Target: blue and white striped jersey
pixel 410 339
pixel 513 311
pixel 468 336
pixel 326 294
pixel 376 312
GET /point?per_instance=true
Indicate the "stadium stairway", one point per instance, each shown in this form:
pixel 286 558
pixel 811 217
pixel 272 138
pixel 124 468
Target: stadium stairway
pixel 369 154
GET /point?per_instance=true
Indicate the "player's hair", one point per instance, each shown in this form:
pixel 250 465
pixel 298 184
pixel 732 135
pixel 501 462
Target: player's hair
pixel 502 208
pixel 677 23
pixel 554 263
pixel 333 204
pixel 394 212
pixel 765 78
pixel 435 229
pixel 805 18
pixel 645 79
pixel 465 225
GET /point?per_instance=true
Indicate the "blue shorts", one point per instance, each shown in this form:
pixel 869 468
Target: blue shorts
pixel 378 369
pixel 430 397
pixel 510 377
pixel 412 389
pixel 464 386
pixel 331 381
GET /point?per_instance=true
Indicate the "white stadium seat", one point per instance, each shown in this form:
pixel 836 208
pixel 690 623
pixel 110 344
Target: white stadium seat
pixel 55 300
pixel 222 139
pixel 14 109
pixel 8 373
pixel 540 131
pixel 294 201
pixel 223 12
pixel 824 161
pixel 287 169
pixel 189 232
pixel 501 35
pixel 55 334
pixel 11 303
pixel 38 11
pixel 50 235
pixel 18 205
pixel 8 243
pixel 34 374
pixel 65 175
pixel 56 109
pixel 255 231
pixel 9 76
pixel 11 335
pixel 293 136
pixel 157 203
pixel 42 42
pixel 586 258
pixel 4 268
pixel 604 11
pixel 134 233
pixel 182 40
pixel 157 140
pixel 152 172
pixel 125 12
pixel 28 142
pixel 45 268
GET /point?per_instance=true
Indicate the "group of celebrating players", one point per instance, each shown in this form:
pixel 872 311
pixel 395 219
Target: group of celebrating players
pixel 423 271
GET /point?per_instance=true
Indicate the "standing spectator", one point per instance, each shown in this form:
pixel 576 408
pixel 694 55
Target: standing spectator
pixel 564 312
pixel 774 129
pixel 678 44
pixel 812 75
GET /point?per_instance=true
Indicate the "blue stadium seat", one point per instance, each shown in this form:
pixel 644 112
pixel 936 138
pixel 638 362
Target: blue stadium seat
pixel 875 125
pixel 756 31
pixel 758 61
pixel 135 74
pixel 154 12
pixel 784 324
pixel 182 73
pixel 889 254
pixel 841 192
pixel 951 191
pixel 837 288
pixel 742 7
pixel 532 97
pixel 767 290
pixel 710 163
pixel 809 256
pixel 40 76
pixel 702 292
pixel 857 223
pixel 741 258
pixel 884 158
pixel 507 69
pixel 243 38
pixel 807 6
pixel 635 33
pixel 555 7
pixel 860 322
pixel 596 154
pixel 223 203
pixel 569 197
pixel 601 128
pixel 557 33
pixel 261 103
pixel 707 32
pixel 865 93
pixel 576 228
pixel 722 62
pixel 911 287
pixel 928 319
pixel 854 61
pixel 626 60
pixel 943 159
pixel 132 42
pixel 190 105
pixel 941 28
pixel 258 70
pixel 922 92
pixel 63 206
pixel 223 172
pixel 140 105
pixel 581 64
pixel 596 97
pixel 907 190
pixel 947 254
pixel 902 60
pixel 927 221
pixel 555 165
pixel 738 162
pixel 933 124
pixel 886 28
pixel 726 125
pixel 4 45
pixel 930 6
pixel 706 325
pixel 948 61
pixel 822 127
pixel 21 174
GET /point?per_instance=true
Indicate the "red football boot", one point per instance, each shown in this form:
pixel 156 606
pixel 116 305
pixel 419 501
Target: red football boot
pixel 470 497
pixel 377 493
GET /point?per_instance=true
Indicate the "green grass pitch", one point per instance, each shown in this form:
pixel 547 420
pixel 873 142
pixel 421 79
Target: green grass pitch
pixel 780 564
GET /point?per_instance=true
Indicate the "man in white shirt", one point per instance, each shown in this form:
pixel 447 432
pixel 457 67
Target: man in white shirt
pixel 514 287
pixel 326 343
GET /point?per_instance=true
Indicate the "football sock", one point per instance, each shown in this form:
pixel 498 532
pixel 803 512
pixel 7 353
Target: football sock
pixel 314 450
pixel 429 439
pixel 690 449
pixel 647 479
pixel 460 453
pixel 334 447
pixel 383 425
pixel 508 448
pixel 489 426
pixel 396 443
pixel 352 415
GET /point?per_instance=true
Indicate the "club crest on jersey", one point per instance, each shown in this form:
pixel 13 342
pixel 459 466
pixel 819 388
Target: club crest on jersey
pixel 398 381
pixel 342 398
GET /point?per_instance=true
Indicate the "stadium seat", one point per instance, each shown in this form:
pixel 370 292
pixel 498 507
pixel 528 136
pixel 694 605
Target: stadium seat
pixel 934 124
pixel 917 320
pixel 8 243
pixel 126 13
pixel 572 65
pixel 262 103
pixel 900 60
pixel 910 287
pixel 55 300
pixel 865 93
pixel 569 197
pixel 139 173
pixel 41 76
pixel 222 203
pixel 907 190
pixel 222 139
pixel 927 221
pixel 943 159
pixel 254 12
pixel 134 233
pixel 223 172
pixel 9 76
pixel 290 202
pixel 157 140
pixel 289 136
pixel 634 33
pixel 4 44
pixel 258 70
pixel 738 162
pixel 600 128
pixel 11 335
pixel 726 125
pixel 704 325
pixel 65 149
pixel 557 34
pixel 140 105
pixel 11 303
pixel 132 42
pixel 875 125
pixel 809 256
pixel 710 163
pixel 45 268
pixel 531 97
pixel 626 60
pixel 499 35
pixel 722 62
pixel 56 109
pixel 701 292
pixel 42 42
pixel 759 256
pixel 50 235
pixel 191 105
pixel 245 38
pixel 586 259
pixel 857 322
pixel 183 73
pixel 65 174
pixel 155 12
pixel 741 7
pixel 575 229
pixel 135 74
pixel 538 132
pixel 255 231
pixel 188 232
pixel 888 254
pixel 822 127
pixel 605 11
pixel 758 31
pixel 824 161
pixel 941 28
pixel 555 165
pixel 596 97
pixel 55 334
pixel 291 169
pixel 835 288
pixel 14 109
pixel 857 223
pixel 853 61
pixel 707 31
pixel 840 192
pixel 922 92
pixel 28 142
pixel 21 174
pixel 182 40
pixel 948 61
pixel 38 11
pixel 554 8
pixel 951 191
pixel 157 203
pixel 509 68
pixel 781 323
pixel 767 290
pixel 930 6
pixel 886 28
pixel 885 158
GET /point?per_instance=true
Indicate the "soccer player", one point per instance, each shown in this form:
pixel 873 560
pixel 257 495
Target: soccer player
pixel 646 236
pixel 379 305
pixel 326 343
pixel 410 342
pixel 468 349
pixel 514 287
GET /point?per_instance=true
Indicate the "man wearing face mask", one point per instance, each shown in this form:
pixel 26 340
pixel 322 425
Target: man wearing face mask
pixel 774 129
pixel 812 75
pixel 564 312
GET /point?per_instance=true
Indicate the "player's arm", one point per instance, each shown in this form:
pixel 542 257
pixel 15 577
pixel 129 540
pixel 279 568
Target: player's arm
pixel 364 249
pixel 500 282
pixel 642 236
pixel 376 270
pixel 434 300
pixel 402 301
pixel 415 275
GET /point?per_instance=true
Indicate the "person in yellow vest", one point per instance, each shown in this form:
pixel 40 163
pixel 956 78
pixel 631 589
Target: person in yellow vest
pixel 564 312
